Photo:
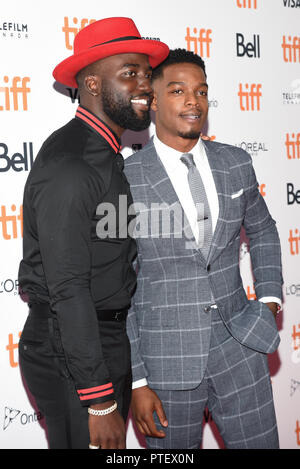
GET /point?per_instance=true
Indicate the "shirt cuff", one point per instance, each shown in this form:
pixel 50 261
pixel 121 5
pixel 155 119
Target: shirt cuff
pixel 270 299
pixel 139 383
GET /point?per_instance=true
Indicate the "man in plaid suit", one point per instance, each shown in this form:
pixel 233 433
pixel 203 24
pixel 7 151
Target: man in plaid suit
pixel 196 340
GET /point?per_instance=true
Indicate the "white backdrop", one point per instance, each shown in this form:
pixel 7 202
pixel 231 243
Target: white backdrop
pixel 252 54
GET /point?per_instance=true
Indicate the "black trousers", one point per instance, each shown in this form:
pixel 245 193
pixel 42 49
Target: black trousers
pixel 46 374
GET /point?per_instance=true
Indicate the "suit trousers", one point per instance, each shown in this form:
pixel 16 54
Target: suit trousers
pixel 236 389
pixel 46 375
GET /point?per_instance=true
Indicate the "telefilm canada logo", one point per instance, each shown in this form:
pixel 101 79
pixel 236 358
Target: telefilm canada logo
pixel 292 95
pixel 12 415
pixel 13 30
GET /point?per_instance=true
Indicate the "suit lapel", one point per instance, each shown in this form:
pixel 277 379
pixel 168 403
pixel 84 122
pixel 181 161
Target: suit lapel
pixel 157 177
pixel 221 177
pixel 160 184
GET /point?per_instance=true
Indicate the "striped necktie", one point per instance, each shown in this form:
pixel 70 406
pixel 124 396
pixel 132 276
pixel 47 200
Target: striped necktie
pixel 200 199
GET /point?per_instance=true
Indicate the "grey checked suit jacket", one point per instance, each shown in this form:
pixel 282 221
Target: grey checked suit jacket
pixel 169 320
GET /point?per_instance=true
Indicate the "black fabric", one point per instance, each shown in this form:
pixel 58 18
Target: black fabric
pixel 48 379
pixel 65 262
pixel 119 39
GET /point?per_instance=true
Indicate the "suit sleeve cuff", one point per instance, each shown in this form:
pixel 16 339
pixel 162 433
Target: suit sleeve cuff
pixel 139 383
pixel 96 394
pixel 271 299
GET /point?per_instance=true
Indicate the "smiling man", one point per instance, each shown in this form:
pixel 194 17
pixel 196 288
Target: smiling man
pixel 196 340
pixel 74 351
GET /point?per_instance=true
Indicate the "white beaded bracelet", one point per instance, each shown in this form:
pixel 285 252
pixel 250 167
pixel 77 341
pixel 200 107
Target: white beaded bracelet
pixel 99 413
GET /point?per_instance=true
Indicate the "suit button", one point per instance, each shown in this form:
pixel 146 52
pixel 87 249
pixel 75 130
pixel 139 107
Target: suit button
pixel 207 309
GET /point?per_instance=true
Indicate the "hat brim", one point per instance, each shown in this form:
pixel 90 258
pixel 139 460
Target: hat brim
pixel 66 71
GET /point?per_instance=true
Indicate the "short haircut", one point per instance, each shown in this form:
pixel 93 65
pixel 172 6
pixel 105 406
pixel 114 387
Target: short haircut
pixel 177 56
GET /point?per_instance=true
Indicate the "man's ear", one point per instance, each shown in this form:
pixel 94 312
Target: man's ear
pixel 154 102
pixel 92 84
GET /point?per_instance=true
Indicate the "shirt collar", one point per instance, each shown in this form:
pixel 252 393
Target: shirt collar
pixel 99 126
pixel 171 157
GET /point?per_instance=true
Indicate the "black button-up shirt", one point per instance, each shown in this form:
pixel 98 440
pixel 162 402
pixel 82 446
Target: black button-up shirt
pixel 77 180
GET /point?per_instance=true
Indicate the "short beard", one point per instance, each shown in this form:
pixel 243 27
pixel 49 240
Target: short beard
pixel 121 111
pixel 190 135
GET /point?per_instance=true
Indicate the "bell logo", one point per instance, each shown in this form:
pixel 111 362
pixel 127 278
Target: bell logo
pixel 17 161
pixel 14 221
pixel 251 49
pixel 294 242
pixel 293 196
pixel 291 49
pixel 73 29
pixel 202 38
pixel 247 4
pixel 250 99
pixel 18 86
pixel 292 144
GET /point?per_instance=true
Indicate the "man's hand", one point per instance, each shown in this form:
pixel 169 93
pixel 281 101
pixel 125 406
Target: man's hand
pixel 274 308
pixel 144 402
pixel 107 431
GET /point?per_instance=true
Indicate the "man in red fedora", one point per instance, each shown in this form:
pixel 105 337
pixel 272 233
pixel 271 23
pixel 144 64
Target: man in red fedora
pixel 77 275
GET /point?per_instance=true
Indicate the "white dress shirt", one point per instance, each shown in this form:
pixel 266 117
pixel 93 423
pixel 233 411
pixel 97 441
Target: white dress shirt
pixel 177 172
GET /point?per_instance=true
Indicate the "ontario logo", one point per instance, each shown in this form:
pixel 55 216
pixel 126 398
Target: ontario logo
pixel 12 415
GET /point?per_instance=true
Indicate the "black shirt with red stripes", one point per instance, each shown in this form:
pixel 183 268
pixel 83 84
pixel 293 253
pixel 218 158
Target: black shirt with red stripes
pixel 77 252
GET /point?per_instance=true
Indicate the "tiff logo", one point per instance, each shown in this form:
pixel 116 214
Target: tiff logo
pixel 250 99
pixel 12 348
pixel 297 431
pixel 262 190
pixel 14 221
pixel 251 49
pixel 292 144
pixel 247 4
pixel 291 49
pixel 203 39
pixel 68 30
pixel 251 295
pixel 296 337
pixel 294 242
pixel 18 87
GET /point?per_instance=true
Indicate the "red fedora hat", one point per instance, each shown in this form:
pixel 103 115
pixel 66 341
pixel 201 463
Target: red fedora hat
pixel 103 38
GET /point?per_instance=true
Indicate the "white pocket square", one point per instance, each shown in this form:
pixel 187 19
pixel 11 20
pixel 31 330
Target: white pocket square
pixel 237 194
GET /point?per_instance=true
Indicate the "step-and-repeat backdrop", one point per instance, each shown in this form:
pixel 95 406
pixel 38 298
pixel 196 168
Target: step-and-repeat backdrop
pixel 252 54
